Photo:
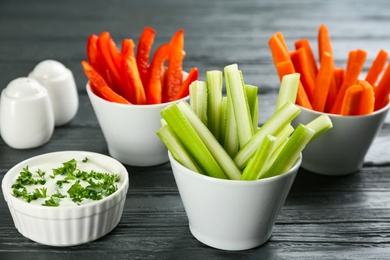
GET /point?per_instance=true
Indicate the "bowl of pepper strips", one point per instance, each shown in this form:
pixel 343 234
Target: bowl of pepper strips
pixel 128 87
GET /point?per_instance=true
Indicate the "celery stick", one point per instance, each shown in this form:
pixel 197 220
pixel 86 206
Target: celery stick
pixel 174 145
pixel 214 102
pixel 320 125
pixel 256 164
pixel 191 140
pixel 290 152
pixel 288 90
pixel 240 103
pixel 198 99
pixel 212 144
pixel 283 135
pixel 223 119
pixel 274 124
pixel 251 94
pixel 230 141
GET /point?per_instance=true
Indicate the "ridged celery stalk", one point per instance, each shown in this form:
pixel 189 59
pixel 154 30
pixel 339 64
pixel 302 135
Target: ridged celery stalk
pixel 198 99
pixel 236 90
pixel 320 125
pixel 214 147
pixel 288 90
pixel 214 102
pixel 194 144
pixel 272 126
pixel 290 152
pixel 174 145
pixel 251 94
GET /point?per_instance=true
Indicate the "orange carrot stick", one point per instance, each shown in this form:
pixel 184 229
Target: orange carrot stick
pixel 322 83
pixel 351 58
pixel 305 44
pixel 337 80
pixel 278 49
pixel 324 42
pixel 350 78
pixel 280 36
pixel 382 91
pixel 287 67
pixel 351 100
pixel 367 100
pixel 377 67
pixel 302 66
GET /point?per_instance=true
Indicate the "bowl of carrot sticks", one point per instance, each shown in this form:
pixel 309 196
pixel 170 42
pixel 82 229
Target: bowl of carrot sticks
pixel 128 87
pixel 356 105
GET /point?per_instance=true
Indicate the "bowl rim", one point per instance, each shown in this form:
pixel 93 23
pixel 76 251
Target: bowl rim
pixel 379 111
pixel 23 206
pixel 210 179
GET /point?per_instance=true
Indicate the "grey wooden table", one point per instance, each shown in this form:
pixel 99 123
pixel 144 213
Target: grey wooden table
pixel 322 218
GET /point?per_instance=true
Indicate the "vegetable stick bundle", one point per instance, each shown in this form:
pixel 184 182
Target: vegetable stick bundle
pixel 126 76
pixel 219 136
pixel 330 89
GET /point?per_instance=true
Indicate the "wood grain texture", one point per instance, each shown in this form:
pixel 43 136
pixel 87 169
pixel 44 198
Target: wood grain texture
pixel 322 218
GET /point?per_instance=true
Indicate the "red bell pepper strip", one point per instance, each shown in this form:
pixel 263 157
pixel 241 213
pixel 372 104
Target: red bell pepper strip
pixel 132 88
pixel 110 60
pixel 99 85
pixel 92 52
pixel 128 47
pixel 156 72
pixel 184 90
pixel 174 77
pixel 143 51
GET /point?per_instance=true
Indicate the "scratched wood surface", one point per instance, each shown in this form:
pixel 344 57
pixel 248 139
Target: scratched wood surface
pixel 322 218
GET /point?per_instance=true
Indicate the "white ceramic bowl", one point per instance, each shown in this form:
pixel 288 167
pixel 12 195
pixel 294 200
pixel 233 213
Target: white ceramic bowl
pixel 232 214
pixel 67 225
pixel 341 150
pixel 130 130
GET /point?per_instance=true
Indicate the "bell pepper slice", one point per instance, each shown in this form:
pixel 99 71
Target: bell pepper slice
pixel 132 88
pixel 99 85
pixel 128 47
pixel 92 52
pixel 156 74
pixel 110 60
pixel 174 77
pixel 143 52
pixel 185 87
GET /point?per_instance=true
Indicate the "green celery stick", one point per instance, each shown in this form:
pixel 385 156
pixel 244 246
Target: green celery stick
pixel 212 144
pixel 193 144
pixel 240 103
pixel 251 94
pixel 256 164
pixel 214 102
pixel 174 145
pixel 273 125
pixel 198 99
pixel 223 119
pixel 320 125
pixel 290 152
pixel 288 90
pixel 230 141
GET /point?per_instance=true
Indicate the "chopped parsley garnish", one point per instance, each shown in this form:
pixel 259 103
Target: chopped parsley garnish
pixel 96 185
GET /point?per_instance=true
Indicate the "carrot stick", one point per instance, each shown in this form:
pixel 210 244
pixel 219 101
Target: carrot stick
pixel 367 100
pixel 382 91
pixel 377 67
pixel 350 78
pixel 351 58
pixel 351 100
pixel 278 49
pixel 302 66
pixel 322 83
pixel 324 43
pixel 279 35
pixel 305 44
pixel 337 80
pixel 287 67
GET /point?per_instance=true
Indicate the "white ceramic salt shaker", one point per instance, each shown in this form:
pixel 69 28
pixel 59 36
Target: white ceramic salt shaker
pixel 60 84
pixel 26 114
